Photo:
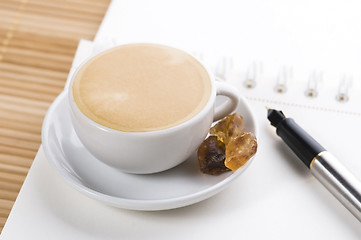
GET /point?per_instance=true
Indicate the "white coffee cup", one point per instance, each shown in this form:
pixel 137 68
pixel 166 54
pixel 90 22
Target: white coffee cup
pixel 153 151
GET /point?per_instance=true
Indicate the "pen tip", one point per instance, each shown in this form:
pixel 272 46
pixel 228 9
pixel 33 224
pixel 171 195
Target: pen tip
pixel 275 116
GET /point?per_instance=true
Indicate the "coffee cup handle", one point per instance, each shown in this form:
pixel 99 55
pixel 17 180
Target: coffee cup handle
pixel 230 105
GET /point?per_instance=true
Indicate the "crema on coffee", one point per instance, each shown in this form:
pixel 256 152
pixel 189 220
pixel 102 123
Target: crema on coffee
pixel 141 88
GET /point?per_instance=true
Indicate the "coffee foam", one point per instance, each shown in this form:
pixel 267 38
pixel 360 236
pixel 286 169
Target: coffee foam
pixel 141 88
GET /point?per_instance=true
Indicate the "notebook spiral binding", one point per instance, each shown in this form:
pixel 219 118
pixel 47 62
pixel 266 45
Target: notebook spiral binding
pixel 313 83
pixel 255 72
pixel 343 90
pixel 284 76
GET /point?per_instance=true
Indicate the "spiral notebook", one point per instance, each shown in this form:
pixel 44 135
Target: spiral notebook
pixel 306 66
pixel 327 106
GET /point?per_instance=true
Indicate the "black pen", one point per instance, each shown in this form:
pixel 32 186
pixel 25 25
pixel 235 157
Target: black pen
pixel 323 165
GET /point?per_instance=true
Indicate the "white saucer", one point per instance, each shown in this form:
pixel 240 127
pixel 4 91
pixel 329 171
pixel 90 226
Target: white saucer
pixel 178 187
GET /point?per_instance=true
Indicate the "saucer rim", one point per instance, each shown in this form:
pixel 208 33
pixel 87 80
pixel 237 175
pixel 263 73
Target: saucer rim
pixel 135 204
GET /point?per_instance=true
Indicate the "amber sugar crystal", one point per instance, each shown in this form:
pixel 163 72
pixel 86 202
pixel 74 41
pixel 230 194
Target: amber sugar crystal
pixel 211 155
pixel 229 127
pixel 228 147
pixel 239 150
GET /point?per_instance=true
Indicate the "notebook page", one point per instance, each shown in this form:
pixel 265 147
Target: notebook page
pixel 316 44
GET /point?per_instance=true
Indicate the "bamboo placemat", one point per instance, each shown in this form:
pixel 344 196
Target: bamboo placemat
pixel 38 39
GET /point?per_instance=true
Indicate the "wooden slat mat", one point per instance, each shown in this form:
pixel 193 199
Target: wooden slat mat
pixel 38 39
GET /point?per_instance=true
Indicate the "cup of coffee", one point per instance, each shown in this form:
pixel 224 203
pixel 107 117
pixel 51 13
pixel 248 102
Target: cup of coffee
pixel 145 108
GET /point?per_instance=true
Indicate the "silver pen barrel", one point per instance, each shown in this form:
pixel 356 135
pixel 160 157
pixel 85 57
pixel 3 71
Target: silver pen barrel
pixel 325 167
pixel 339 181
